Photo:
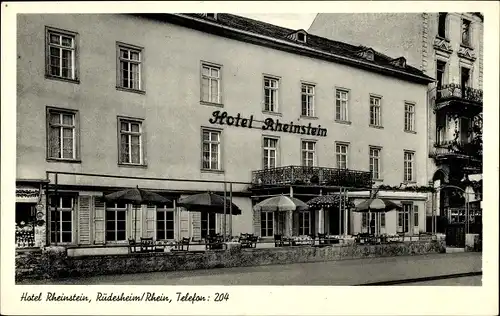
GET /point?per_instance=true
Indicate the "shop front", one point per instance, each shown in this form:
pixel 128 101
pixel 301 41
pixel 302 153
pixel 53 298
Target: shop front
pixel 30 215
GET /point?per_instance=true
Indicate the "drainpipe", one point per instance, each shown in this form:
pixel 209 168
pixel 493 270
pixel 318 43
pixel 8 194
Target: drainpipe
pixel 290 217
pixel 231 209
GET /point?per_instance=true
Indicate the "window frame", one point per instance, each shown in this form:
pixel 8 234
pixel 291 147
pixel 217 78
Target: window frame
pixel 310 112
pixel 164 209
pixel 74 217
pixel 301 227
pixel 338 116
pixel 276 90
pixel 444 15
pixel 467 22
pixel 219 68
pixel 307 150
pixel 61 32
pixel 444 80
pixel 413 167
pixel 269 218
pixel 276 149
pixel 403 217
pixel 220 151
pixel 379 158
pixel 347 145
pixel 142 141
pixel 412 115
pixel 127 209
pixel 76 134
pixel 119 59
pixel 375 124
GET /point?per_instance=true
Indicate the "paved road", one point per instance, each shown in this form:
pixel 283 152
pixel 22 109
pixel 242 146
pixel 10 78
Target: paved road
pixel 345 272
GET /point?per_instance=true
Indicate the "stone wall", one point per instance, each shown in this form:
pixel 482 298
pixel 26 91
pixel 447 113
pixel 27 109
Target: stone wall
pixel 54 263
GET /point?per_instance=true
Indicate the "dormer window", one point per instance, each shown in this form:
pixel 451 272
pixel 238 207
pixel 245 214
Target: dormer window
pixel 301 37
pixel 366 53
pixel 399 62
pixel 212 16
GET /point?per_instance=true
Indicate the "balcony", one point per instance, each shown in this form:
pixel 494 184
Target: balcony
pixel 453 96
pixel 469 153
pixel 313 176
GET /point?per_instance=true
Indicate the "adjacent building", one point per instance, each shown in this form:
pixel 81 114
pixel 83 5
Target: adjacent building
pixel 447 46
pixel 188 103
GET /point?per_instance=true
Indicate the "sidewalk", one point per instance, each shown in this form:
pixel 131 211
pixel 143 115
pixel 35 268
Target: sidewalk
pixel 344 272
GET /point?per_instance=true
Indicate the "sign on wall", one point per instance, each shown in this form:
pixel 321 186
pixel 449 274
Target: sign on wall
pixel 269 124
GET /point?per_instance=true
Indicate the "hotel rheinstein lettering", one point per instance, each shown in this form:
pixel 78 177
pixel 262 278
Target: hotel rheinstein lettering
pixel 222 118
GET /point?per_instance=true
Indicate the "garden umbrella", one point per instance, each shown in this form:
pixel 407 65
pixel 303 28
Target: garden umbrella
pixel 136 196
pixel 209 202
pixel 281 203
pixel 376 205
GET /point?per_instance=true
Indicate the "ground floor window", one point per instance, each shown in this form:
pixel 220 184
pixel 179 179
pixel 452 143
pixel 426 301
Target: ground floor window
pixel 266 224
pixel 116 222
pixel 304 223
pixel 207 224
pixel 164 223
pixel 61 219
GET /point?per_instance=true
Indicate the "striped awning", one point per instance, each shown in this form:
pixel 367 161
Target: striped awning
pixel 27 194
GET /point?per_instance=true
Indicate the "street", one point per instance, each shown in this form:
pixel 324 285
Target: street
pixel 346 272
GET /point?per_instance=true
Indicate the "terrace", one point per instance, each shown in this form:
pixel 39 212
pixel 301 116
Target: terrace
pixel 459 98
pixel 313 176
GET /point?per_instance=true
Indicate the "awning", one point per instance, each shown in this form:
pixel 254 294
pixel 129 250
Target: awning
pixel 27 194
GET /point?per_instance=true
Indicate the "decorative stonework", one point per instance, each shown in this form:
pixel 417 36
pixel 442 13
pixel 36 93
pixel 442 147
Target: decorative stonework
pixel 399 62
pixel 425 34
pixel 467 53
pixel 442 45
pixel 367 54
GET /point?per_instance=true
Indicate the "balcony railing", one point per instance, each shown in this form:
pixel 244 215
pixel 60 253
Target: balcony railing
pixel 455 91
pixel 457 149
pixel 302 175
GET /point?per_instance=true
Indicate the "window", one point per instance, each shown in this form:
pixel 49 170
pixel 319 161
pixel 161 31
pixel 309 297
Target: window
pixel 131 151
pixel 266 224
pixel 465 32
pixel 270 152
pixel 440 73
pixel 61 220
pixel 341 151
pixel 61 54
pixel 409 158
pixel 301 37
pixel 364 220
pixel 304 223
pixel 210 83
pixel 382 219
pixel 211 151
pixel 208 224
pixel 62 134
pixel 409 117
pixel 464 80
pixel 465 130
pixel 375 162
pixel 308 153
pixel 341 105
pixel 307 100
pixel 403 217
pixel 116 222
pixel 415 216
pixel 375 111
pixel 271 89
pixel 164 223
pixel 130 67
pixel 442 24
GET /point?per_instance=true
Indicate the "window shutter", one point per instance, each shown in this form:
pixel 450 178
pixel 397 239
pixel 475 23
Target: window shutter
pixel 415 216
pixel 228 225
pixel 150 222
pixel 84 220
pixel 256 222
pixel 136 222
pixel 196 222
pixel 99 217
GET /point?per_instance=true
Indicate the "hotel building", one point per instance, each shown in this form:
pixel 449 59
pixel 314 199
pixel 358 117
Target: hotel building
pixel 188 103
pixel 447 46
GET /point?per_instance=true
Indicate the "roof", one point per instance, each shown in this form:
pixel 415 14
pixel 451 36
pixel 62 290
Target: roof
pixel 314 42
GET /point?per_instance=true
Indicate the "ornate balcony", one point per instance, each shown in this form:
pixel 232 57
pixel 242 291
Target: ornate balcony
pixel 301 175
pixel 453 96
pixel 469 153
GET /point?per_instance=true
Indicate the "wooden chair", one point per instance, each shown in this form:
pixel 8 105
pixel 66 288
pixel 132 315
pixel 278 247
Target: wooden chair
pixel 248 240
pixel 213 242
pixel 278 241
pixel 147 244
pixel 322 239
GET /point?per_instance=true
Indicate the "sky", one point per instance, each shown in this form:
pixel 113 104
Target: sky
pixel 293 20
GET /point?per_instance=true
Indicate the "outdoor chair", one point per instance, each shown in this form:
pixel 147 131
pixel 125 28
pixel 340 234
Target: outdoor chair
pixel 322 239
pixel 132 245
pixel 147 244
pixel 248 240
pixel 280 241
pixel 182 245
pixel 213 242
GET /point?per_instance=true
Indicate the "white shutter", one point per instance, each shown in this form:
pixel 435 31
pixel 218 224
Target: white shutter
pixel 150 222
pixel 196 222
pixel 84 220
pixel 256 222
pixel 184 223
pixel 99 223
